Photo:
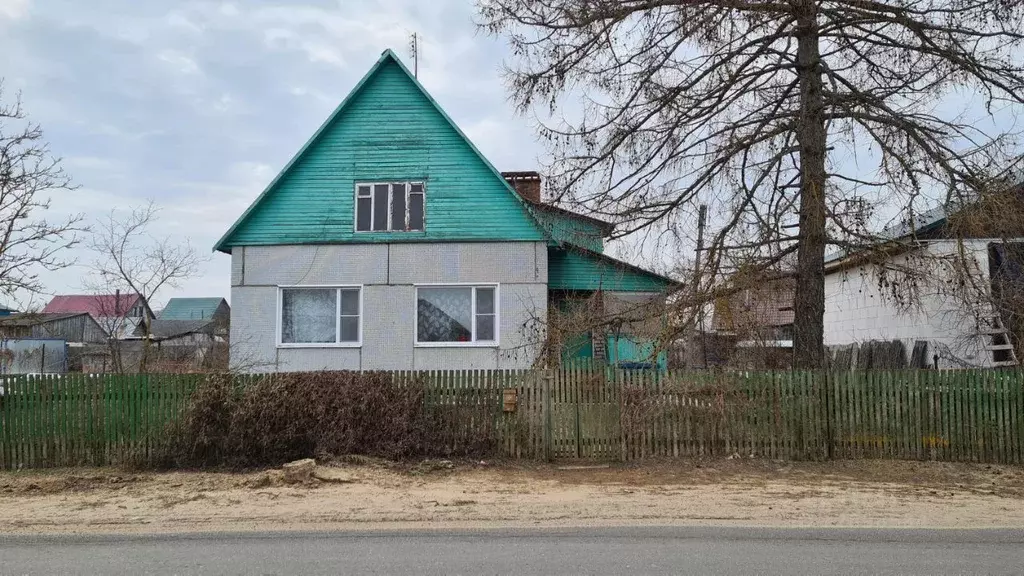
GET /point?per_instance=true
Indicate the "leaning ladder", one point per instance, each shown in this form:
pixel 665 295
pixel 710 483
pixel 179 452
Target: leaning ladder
pixel 999 341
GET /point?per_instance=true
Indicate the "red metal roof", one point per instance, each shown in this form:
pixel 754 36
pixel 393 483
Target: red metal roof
pixel 98 305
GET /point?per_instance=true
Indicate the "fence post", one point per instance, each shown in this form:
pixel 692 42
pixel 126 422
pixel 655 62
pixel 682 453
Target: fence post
pixel 576 385
pixel 826 389
pixel 548 417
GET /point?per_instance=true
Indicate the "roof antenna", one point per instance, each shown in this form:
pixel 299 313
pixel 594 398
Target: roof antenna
pixel 415 52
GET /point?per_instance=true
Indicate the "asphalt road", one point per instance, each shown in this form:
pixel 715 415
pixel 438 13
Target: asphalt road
pixel 647 550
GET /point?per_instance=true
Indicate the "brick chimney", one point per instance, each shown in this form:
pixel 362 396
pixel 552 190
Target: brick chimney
pixel 526 184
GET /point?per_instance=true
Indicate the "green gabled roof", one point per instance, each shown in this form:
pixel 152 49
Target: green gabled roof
pixel 575 268
pixel 572 268
pixel 565 227
pixel 190 308
pixel 388 128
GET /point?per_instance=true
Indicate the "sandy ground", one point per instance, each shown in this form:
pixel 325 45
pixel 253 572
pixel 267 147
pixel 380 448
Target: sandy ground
pixel 467 495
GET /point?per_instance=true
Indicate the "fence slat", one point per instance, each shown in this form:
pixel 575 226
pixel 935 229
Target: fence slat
pixel 579 411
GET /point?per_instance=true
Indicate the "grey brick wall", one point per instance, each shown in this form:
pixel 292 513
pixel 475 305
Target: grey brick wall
pixel 327 264
pixel 237 269
pixel 312 359
pixel 389 327
pixel 388 274
pixel 253 325
pixel 463 262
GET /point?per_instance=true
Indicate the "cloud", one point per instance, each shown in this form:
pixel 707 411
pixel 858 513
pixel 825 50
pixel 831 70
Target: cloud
pixel 197 104
pixel 178 61
pixel 13 9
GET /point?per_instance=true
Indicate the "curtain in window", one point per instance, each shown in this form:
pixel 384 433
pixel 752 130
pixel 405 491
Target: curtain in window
pixel 445 315
pixel 308 316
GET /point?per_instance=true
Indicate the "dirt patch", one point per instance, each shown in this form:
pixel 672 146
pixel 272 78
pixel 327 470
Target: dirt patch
pixel 58 482
pixel 444 493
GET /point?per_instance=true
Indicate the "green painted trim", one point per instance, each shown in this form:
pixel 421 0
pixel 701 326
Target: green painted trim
pixel 223 244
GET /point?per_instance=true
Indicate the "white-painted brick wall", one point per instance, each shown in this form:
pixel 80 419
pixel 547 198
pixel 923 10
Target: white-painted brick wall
pixel 857 310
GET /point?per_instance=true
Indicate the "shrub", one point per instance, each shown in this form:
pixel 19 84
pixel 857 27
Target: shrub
pixel 277 418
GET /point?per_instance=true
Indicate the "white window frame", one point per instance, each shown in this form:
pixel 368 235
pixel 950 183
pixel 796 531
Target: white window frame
pixel 391 194
pixel 473 344
pixel 337 316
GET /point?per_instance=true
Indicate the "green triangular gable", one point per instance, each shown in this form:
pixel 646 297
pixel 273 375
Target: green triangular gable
pixel 387 129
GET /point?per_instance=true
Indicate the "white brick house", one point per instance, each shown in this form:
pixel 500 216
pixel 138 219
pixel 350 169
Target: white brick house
pixel 946 300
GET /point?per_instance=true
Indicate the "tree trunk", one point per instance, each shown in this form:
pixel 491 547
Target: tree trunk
pixel 809 305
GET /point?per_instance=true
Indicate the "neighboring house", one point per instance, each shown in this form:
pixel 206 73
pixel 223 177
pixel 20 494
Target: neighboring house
pixel 216 310
pixel 82 342
pixel 182 332
pixel 118 314
pixel 390 242
pixel 960 306
pixel 759 319
pixel 184 342
pixel 762 313
pixel 74 327
pixel 6 310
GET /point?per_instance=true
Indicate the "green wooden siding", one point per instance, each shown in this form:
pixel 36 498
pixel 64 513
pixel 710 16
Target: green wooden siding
pixel 563 228
pixel 388 129
pixel 625 350
pixel 578 270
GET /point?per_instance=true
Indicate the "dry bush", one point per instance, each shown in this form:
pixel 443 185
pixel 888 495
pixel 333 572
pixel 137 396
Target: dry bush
pixel 201 437
pixel 278 418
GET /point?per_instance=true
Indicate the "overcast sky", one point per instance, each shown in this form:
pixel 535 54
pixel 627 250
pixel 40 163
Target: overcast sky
pixel 198 104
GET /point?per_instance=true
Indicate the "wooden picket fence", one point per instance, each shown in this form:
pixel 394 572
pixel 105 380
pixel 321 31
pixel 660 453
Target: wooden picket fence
pixel 580 412
pixel 87 419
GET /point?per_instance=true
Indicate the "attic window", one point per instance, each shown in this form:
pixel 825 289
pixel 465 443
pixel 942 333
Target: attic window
pixel 389 207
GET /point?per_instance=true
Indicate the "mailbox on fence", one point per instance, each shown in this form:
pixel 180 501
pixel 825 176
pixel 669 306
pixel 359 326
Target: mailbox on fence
pixel 509 398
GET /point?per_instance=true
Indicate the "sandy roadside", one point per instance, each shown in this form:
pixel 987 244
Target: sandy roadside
pixel 722 492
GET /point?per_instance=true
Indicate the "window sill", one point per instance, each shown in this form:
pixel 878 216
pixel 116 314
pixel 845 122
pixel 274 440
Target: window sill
pixel 317 345
pixel 457 345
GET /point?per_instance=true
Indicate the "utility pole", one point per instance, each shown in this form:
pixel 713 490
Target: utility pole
pixel 702 216
pixel 414 50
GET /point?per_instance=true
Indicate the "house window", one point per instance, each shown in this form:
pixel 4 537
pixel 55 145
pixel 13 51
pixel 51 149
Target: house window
pixel 389 207
pixel 456 315
pixel 320 316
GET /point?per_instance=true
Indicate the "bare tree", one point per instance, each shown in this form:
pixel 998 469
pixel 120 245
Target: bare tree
pixel 130 260
pixel 28 173
pixel 792 118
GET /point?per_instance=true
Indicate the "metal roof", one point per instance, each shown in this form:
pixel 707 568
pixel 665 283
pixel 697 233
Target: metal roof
pixel 923 222
pixel 98 305
pixel 37 318
pixel 190 308
pixel 161 329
